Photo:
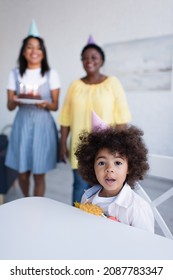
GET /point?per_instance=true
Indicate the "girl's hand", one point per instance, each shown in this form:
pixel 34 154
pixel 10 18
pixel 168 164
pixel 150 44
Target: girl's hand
pixel 43 105
pixel 113 218
pixel 15 97
pixel 12 102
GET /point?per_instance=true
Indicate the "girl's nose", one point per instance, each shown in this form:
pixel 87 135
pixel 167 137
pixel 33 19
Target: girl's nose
pixel 109 169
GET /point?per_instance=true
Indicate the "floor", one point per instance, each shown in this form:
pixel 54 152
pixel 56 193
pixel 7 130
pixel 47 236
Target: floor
pixel 59 187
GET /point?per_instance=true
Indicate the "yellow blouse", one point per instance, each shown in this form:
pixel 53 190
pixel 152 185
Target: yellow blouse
pixel 106 99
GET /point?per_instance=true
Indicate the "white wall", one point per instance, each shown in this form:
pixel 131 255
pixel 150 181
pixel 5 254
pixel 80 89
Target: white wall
pixel 65 25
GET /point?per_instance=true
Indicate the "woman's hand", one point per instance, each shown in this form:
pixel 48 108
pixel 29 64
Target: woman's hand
pixel 43 105
pixel 12 102
pixel 53 104
pixel 64 153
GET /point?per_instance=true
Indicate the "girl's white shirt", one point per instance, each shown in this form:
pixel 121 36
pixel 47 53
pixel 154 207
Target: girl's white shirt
pixel 32 77
pixel 103 202
pixel 128 207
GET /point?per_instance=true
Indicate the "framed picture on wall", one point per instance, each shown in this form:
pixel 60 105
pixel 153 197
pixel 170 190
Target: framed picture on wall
pixel 142 64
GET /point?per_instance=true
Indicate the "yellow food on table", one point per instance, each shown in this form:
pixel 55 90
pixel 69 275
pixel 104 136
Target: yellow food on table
pixel 90 208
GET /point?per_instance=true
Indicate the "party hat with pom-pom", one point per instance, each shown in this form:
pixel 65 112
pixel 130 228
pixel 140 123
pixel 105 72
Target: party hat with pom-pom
pixel 97 122
pixel 33 30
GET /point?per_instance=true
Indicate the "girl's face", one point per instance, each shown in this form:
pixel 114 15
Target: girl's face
pixel 111 171
pixel 33 53
pixel 92 61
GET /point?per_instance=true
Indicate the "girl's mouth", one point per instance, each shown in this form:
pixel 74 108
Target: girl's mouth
pixel 110 181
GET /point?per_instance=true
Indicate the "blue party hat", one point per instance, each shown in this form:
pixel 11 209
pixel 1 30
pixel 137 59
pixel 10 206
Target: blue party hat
pixel 33 31
pixel 90 40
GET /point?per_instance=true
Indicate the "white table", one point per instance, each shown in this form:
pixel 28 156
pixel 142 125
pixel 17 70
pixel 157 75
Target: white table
pixel 38 228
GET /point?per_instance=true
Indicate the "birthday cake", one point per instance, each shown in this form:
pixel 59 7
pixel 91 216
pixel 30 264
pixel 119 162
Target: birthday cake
pixel 29 96
pixel 28 92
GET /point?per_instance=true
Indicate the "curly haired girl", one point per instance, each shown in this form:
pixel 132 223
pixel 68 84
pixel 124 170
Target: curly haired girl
pixel 112 160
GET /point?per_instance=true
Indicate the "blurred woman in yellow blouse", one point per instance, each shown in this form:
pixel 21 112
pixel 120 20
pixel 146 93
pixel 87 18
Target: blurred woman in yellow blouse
pixel 95 92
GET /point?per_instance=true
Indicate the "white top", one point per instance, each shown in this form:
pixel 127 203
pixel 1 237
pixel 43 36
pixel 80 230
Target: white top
pixel 38 228
pixel 128 207
pixel 32 77
pixel 103 202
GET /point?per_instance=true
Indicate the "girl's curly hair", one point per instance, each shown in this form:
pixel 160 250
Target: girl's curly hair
pixel 127 142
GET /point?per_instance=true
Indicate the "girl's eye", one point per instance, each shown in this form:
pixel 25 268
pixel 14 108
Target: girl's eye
pixel 118 163
pixel 32 48
pixel 100 163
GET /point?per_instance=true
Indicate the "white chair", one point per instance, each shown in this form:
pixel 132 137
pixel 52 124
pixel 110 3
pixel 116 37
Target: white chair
pixel 159 200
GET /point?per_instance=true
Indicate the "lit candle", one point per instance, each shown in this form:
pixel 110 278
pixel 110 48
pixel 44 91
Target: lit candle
pixel 28 89
pixel 21 88
pixel 35 89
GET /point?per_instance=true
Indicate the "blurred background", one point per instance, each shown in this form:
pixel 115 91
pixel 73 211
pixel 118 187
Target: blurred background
pixel 65 26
